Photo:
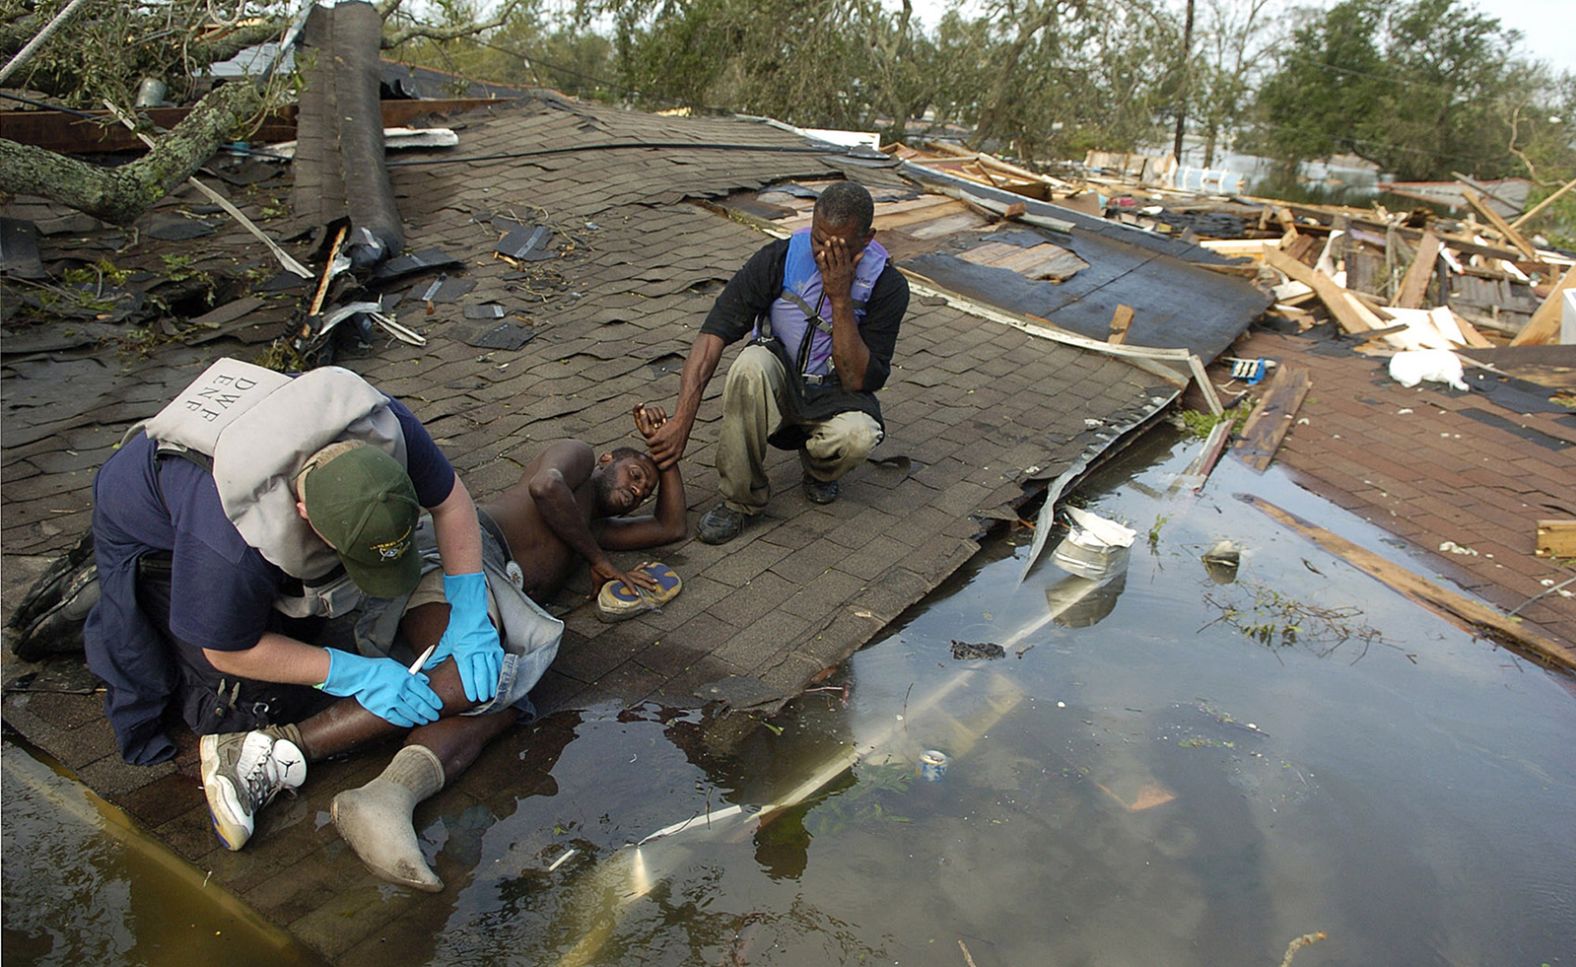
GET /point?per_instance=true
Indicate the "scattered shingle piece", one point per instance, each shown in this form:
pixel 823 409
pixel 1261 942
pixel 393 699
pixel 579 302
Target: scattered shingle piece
pixel 508 336
pixel 442 289
pixel 487 310
pixel 413 263
pixel 19 249
pixel 530 243
pixel 177 228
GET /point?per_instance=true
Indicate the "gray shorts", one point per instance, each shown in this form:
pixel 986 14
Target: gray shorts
pixel 530 636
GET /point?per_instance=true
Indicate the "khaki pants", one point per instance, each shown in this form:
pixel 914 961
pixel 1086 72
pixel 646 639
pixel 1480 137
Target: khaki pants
pixel 752 409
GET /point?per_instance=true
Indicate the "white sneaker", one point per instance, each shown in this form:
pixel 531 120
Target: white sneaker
pixel 241 773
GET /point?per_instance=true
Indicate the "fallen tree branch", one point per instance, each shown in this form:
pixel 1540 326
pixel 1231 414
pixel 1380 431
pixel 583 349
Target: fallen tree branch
pixel 446 33
pixel 40 39
pixel 120 195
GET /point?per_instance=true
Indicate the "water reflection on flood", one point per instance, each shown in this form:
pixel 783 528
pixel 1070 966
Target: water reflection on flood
pixel 82 885
pixel 1139 780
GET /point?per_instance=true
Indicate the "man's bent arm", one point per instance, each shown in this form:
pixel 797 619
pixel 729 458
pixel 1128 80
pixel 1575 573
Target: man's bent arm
pixel 667 524
pixel 670 440
pixel 458 534
pixel 275 658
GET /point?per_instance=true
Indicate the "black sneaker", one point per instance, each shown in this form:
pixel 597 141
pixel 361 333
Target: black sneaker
pixel 720 525
pixel 820 491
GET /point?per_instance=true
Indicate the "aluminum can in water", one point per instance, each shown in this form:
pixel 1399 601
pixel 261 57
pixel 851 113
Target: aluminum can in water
pixel 932 765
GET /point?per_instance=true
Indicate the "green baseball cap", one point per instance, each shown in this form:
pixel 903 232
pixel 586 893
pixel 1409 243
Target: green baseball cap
pixel 362 502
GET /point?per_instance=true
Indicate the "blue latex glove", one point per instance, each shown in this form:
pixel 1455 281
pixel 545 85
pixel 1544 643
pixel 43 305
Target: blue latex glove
pixel 384 687
pixel 470 637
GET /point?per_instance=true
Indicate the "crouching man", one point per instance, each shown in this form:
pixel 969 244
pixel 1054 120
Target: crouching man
pixel 230 526
pixel 570 505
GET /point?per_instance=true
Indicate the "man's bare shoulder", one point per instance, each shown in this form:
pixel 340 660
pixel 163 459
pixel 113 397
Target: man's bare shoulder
pixel 563 455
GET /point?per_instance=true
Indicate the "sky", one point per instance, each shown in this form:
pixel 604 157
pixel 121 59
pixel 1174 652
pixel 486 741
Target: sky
pixel 1548 27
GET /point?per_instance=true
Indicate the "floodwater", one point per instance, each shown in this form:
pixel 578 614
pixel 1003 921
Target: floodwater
pixel 1161 769
pixel 83 885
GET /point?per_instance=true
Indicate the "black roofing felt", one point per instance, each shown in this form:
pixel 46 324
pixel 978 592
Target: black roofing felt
pixel 1175 304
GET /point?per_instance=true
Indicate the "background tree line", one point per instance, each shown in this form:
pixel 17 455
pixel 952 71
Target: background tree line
pixel 1421 88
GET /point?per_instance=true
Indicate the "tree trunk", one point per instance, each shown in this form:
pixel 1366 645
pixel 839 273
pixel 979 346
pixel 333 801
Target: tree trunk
pixel 1187 72
pixel 120 195
pixel 1006 67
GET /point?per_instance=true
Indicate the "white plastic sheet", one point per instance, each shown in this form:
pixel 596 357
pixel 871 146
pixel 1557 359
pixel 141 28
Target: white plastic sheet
pixel 1436 365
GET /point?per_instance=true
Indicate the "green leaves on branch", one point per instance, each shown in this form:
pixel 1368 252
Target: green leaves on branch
pixel 1421 88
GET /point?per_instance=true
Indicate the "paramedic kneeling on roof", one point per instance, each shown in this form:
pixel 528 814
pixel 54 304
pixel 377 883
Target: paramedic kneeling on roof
pixel 825 306
pixel 248 511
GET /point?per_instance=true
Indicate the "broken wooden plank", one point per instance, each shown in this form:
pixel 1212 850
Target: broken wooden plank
pixel 1510 235
pixel 1265 429
pixel 1522 220
pixel 1464 613
pixel 1249 271
pixel 1352 317
pixel 1557 538
pixel 1381 333
pixel 1414 286
pixel 1120 320
pixel 1372 303
pixel 1544 326
pixel 1235 247
pixel 1469 332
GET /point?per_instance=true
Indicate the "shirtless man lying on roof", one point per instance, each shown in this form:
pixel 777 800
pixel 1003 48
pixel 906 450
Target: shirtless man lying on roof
pixel 570 504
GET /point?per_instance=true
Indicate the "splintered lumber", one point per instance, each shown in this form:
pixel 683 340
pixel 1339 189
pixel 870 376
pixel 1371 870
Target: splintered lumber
pixel 1544 325
pixel 1415 284
pixel 1353 318
pixel 1372 303
pixel 1265 429
pixel 1373 334
pixel 1494 218
pixel 1464 613
pixel 1249 271
pixel 1120 320
pixel 1469 332
pixel 1522 220
pixel 1556 538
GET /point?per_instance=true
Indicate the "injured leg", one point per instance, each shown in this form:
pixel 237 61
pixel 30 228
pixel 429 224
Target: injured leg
pixel 377 819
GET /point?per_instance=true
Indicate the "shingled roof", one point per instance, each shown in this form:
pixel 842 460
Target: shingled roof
pixel 980 410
